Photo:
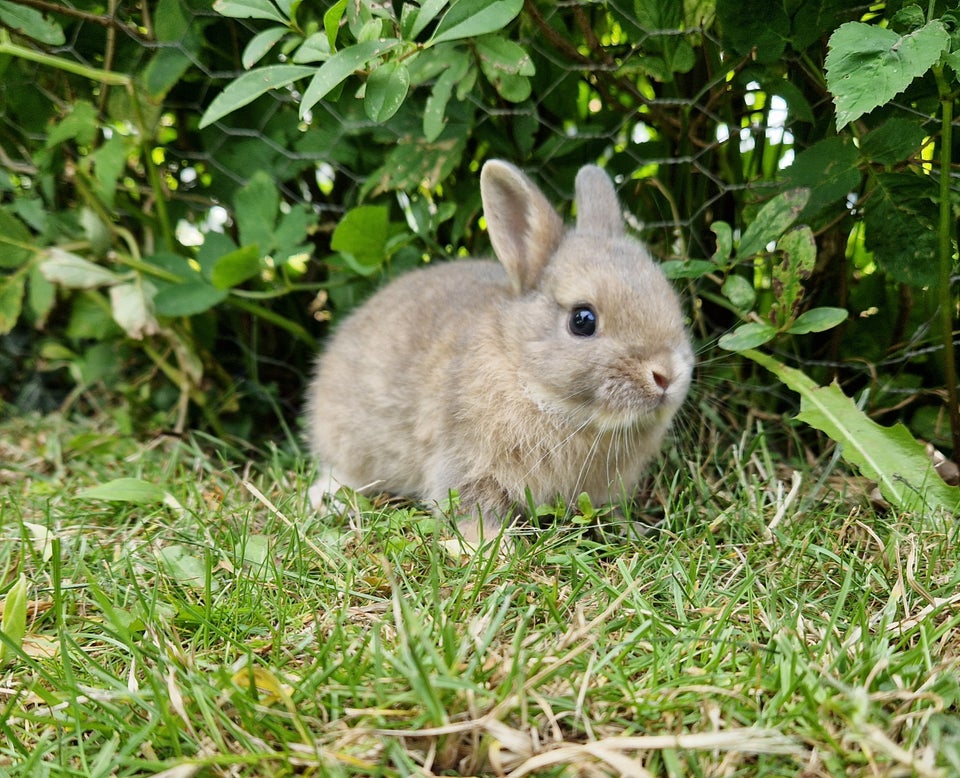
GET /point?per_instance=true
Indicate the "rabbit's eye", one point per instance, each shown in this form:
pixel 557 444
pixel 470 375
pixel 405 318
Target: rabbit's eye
pixel 583 321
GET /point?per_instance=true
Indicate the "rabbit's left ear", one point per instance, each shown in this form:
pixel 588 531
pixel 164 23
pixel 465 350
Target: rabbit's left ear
pixel 598 209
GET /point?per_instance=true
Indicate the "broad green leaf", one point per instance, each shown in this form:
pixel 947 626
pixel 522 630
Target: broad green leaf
pixel 740 292
pixel 81 124
pixel 758 28
pixel 867 65
pixel 16 242
pixel 818 320
pixel 386 90
pixel 132 308
pixel 506 65
pixel 260 44
pixel 900 227
pixel 315 48
pixel 891 456
pixel 248 87
pixel 893 141
pixel 14 624
pixel 748 336
pixel 772 221
pixel 185 567
pixel 41 295
pixel 256 206
pixel 362 233
pixel 340 67
pixel 11 299
pixel 74 272
pixel 249 9
pixel 32 23
pixel 724 234
pixel 188 299
pixel 472 18
pixel 829 169
pixel 129 490
pixel 236 267
pixel 798 255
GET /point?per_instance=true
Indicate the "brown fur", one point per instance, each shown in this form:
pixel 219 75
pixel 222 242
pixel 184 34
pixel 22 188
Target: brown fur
pixel 465 375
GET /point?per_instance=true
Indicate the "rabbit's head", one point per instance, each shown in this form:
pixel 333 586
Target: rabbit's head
pixel 599 329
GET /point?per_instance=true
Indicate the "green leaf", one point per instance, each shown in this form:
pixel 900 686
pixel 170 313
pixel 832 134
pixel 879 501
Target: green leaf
pixel 757 28
pixel 829 169
pixel 506 65
pixel 41 295
pixel 11 300
pixel 186 568
pixel 676 269
pixel 248 87
pixel 867 65
pixel 109 163
pixel 81 124
pixel 129 490
pixel 893 141
pixel 256 206
pixel 724 234
pixel 434 114
pixel 315 48
pixel 771 221
pixel 30 22
pixel 818 320
pixel 236 267
pixel 740 292
pixel 260 44
pixel 900 229
pixel 14 624
pixel 249 9
pixel 888 455
pixel 472 18
pixel 340 67
pixel 429 9
pixel 386 90
pixel 74 272
pixel 748 336
pixel 16 242
pixel 362 233
pixel 331 22
pixel 798 254
pixel 188 299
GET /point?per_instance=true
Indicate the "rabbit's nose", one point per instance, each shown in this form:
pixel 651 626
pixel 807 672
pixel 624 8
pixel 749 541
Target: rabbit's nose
pixel 661 379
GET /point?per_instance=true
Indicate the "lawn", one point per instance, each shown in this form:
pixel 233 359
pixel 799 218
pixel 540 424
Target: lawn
pixel 202 621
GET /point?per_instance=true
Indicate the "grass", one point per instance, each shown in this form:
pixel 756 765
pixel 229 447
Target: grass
pixel 768 626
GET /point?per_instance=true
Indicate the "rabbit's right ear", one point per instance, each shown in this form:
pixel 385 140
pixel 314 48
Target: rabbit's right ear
pixel 524 228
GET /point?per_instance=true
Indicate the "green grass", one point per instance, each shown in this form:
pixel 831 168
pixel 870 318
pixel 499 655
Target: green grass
pixel 230 632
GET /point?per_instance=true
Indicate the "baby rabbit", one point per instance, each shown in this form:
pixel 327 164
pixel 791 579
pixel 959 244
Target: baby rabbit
pixel 558 369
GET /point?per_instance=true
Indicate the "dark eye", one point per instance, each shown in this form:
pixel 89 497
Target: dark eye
pixel 583 321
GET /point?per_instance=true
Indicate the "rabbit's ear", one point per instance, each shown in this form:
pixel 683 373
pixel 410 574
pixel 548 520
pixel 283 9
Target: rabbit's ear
pixel 524 228
pixel 598 210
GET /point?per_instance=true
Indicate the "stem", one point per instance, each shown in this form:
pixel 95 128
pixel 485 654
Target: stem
pixel 946 259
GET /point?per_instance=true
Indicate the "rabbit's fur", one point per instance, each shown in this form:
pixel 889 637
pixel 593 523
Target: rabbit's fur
pixel 467 376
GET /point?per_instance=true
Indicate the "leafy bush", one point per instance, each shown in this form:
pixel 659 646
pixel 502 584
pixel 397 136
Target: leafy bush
pixel 174 230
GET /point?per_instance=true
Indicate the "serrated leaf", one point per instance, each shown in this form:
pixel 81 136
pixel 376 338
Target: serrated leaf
pixel 248 87
pixel 747 336
pixel 818 320
pixel 867 66
pixel 74 272
pixel 891 456
pixel 387 88
pixel 260 44
pixel 472 18
pixel 340 67
pixel 14 624
pixel 893 141
pixel 772 221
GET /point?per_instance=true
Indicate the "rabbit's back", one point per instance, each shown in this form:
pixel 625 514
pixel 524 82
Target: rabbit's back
pixel 375 403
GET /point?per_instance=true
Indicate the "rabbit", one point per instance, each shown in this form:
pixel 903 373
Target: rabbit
pixel 556 370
